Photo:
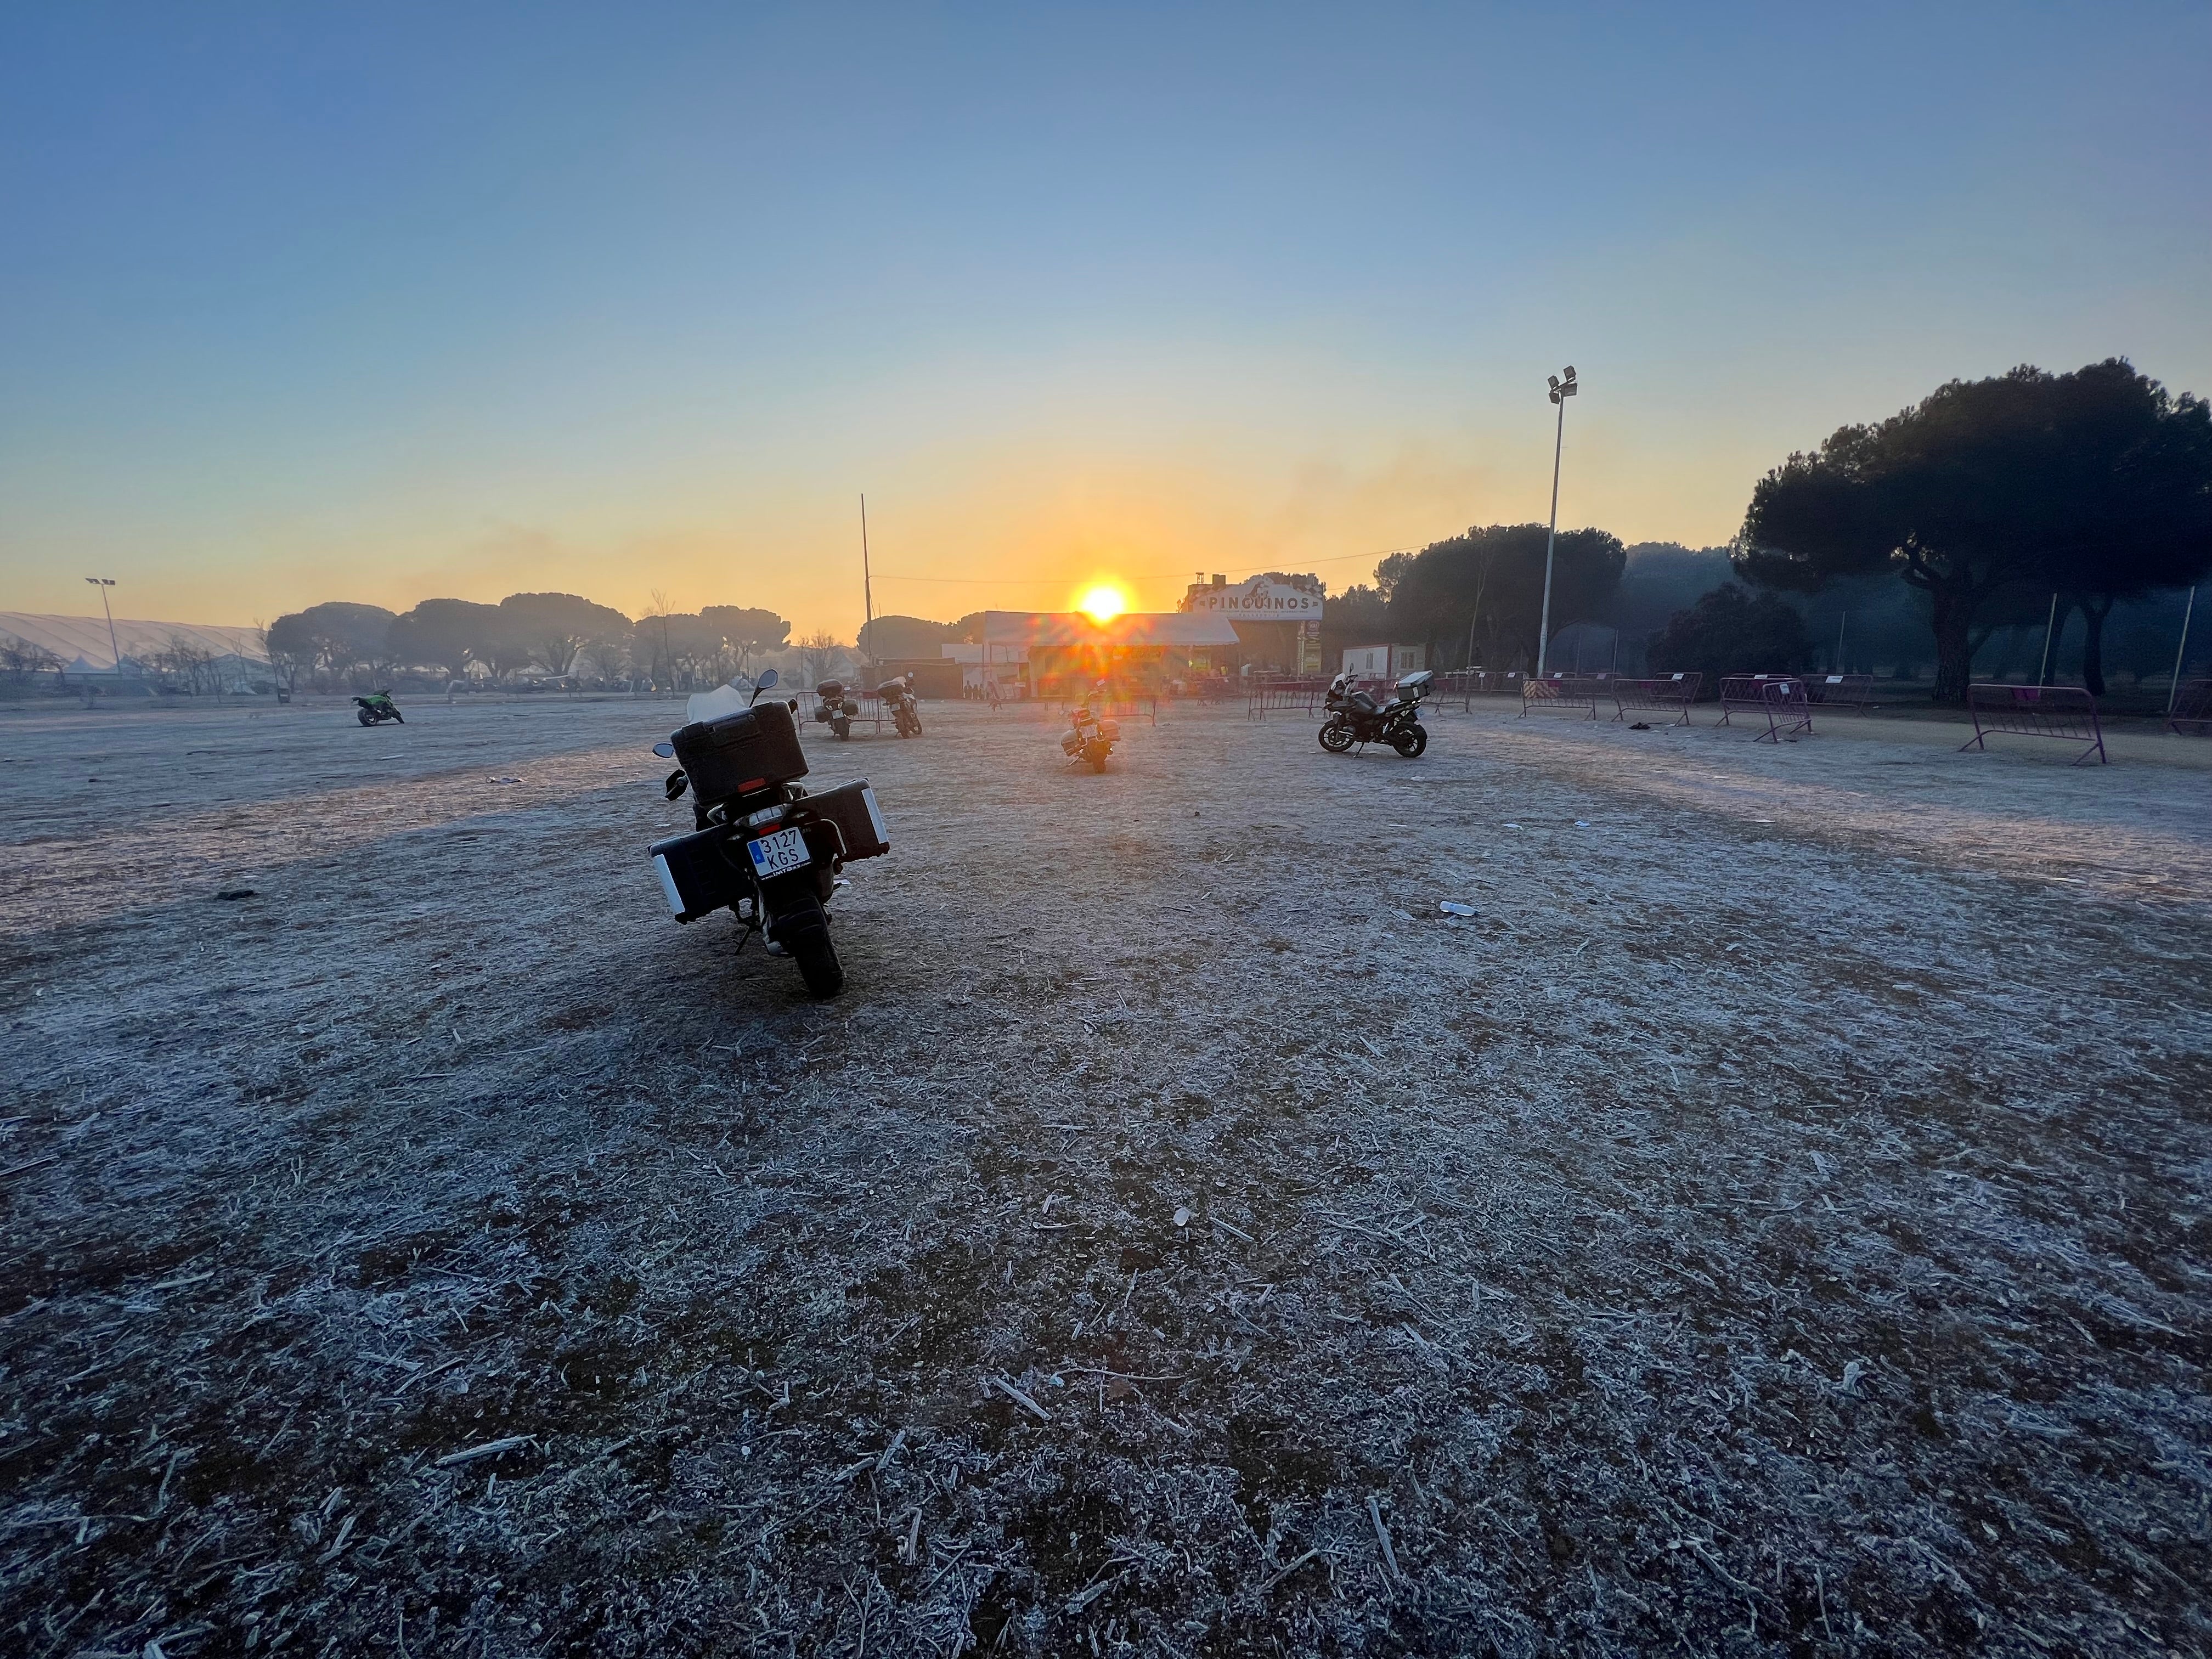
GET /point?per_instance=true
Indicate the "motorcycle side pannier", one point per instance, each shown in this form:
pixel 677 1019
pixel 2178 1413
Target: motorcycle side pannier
pixel 755 745
pixel 1110 730
pixel 695 874
pixel 852 807
pixel 1069 742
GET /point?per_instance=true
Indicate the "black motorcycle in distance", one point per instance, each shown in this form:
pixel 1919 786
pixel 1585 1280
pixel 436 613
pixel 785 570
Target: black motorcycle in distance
pixel 1355 717
pixel 764 848
pixel 833 708
pixel 906 708
pixel 377 708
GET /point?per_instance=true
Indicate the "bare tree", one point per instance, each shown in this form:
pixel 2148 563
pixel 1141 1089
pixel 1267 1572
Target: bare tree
pixel 21 662
pixel 653 644
pixel 814 651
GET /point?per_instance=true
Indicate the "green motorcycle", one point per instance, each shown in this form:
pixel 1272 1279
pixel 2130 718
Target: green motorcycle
pixel 377 708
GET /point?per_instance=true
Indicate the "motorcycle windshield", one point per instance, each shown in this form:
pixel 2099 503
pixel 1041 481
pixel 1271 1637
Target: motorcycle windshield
pixel 704 706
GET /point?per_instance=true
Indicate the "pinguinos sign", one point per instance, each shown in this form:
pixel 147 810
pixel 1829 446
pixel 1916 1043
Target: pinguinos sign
pixel 1259 600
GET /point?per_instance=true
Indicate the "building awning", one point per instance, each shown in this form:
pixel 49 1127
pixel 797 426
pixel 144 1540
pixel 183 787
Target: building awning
pixel 1132 628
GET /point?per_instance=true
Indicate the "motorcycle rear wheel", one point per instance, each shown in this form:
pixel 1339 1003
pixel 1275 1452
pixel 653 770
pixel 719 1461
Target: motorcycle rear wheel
pixel 1098 759
pixel 365 717
pixel 805 934
pixel 1410 741
pixel 1335 737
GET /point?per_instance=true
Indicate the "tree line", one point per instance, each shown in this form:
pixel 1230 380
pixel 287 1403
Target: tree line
pixel 1984 500
pixel 558 635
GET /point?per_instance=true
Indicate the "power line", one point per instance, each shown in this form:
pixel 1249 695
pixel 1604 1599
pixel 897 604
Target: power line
pixel 1138 575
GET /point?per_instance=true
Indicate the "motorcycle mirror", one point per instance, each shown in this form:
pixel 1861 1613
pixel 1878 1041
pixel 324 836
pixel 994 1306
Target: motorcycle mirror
pixel 663 749
pixel 768 679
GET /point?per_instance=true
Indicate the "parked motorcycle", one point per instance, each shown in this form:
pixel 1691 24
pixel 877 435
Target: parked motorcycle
pixel 834 709
pixel 906 708
pixel 1354 716
pixel 764 847
pixel 377 708
pixel 1091 738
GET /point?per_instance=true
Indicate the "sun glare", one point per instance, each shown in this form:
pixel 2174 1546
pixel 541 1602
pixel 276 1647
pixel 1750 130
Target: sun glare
pixel 1103 603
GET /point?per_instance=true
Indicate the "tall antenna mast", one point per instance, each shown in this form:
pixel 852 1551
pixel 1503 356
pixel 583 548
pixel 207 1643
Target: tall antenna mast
pixel 868 581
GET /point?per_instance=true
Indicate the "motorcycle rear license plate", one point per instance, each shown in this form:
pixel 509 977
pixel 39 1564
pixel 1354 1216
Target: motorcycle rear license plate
pixel 779 854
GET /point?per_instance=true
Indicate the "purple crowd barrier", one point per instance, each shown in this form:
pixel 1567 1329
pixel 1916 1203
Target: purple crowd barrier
pixel 2065 711
pixel 1789 710
pixel 2192 707
pixel 1672 695
pixel 1564 692
pixel 1833 693
pixel 1746 693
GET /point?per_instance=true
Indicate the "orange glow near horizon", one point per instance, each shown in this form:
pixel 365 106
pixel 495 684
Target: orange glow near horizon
pixel 1104 601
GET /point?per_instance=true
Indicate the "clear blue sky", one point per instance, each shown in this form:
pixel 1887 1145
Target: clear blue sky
pixel 310 302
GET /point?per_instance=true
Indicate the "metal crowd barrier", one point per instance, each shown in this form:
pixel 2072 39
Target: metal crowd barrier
pixel 1672 695
pixel 1561 691
pixel 2065 711
pixel 1789 710
pixel 1833 693
pixel 1746 693
pixel 1262 698
pixel 2192 707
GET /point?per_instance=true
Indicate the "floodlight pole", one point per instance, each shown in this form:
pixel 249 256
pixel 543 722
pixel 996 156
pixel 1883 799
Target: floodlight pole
pixel 103 583
pixel 2180 652
pixel 2043 674
pixel 1559 395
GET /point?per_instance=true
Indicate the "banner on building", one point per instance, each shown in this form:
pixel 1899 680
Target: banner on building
pixel 1258 601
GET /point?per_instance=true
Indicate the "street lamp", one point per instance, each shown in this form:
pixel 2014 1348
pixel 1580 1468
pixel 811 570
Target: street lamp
pixel 1563 387
pixel 103 583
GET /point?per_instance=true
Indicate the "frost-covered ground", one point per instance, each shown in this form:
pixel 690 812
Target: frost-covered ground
pixel 1776 1223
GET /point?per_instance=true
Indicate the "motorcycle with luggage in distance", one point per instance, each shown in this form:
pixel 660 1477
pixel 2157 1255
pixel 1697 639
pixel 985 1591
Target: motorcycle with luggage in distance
pixel 764 847
pixel 833 708
pixel 377 708
pixel 906 708
pixel 1089 738
pixel 1354 716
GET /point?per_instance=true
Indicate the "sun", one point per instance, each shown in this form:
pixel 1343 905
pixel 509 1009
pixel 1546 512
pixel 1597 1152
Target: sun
pixel 1103 603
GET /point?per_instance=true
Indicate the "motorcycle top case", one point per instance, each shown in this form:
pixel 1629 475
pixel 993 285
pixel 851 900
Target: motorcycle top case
pixel 756 746
pixel 852 807
pixel 697 876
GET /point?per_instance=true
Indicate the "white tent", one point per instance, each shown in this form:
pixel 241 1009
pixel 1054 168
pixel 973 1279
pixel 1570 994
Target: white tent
pixel 81 642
